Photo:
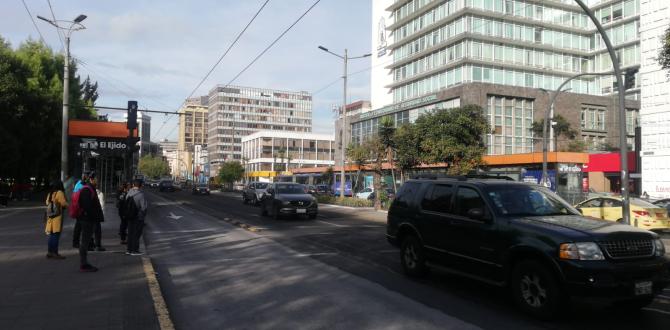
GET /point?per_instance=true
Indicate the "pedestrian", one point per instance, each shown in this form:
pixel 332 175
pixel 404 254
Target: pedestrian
pixel 76 235
pixel 120 203
pixel 55 202
pixel 90 216
pixel 98 225
pixel 135 211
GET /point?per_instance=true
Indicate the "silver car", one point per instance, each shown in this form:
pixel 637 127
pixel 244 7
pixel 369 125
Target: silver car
pixel 253 192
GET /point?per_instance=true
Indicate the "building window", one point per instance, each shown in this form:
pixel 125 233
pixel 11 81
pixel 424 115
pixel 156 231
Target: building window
pixel 510 120
pixel 593 118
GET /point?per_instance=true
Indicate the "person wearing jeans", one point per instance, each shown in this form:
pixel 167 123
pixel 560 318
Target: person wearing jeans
pixel 136 221
pixel 90 217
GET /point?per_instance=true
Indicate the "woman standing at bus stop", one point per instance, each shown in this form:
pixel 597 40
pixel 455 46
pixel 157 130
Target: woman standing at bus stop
pixel 55 202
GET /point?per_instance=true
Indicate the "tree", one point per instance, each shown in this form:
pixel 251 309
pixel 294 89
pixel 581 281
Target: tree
pixel 664 54
pixel 153 167
pixel 407 145
pixel 89 92
pixel 358 154
pixel 376 154
pixel 576 146
pixel 561 128
pixel 386 132
pixel 328 175
pixel 230 172
pixel 453 136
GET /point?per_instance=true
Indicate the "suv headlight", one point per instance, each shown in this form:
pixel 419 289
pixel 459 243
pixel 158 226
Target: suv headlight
pixel 581 251
pixel 659 248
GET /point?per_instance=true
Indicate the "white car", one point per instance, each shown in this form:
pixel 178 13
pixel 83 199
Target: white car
pixel 365 193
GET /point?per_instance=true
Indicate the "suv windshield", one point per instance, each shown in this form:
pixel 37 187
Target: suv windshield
pixel 289 189
pixel 524 200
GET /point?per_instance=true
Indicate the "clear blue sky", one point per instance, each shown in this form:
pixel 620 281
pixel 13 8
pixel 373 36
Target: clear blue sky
pixel 157 51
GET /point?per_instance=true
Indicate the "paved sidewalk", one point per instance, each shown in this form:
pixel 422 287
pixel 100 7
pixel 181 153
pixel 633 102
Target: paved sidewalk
pixel 40 293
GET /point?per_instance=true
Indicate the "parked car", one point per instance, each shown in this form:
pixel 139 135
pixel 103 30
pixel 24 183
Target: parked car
pixel 663 203
pixel 253 192
pixel 200 189
pixel 166 185
pixel 642 213
pixel 310 189
pixel 524 237
pixel 365 193
pixel 389 193
pixel 288 198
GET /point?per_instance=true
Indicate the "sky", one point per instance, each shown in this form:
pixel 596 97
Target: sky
pixel 156 52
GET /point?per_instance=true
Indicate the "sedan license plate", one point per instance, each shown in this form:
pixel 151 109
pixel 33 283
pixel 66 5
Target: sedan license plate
pixel 301 211
pixel 643 288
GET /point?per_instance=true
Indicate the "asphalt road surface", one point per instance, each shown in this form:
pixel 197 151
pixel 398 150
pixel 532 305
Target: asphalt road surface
pixel 336 271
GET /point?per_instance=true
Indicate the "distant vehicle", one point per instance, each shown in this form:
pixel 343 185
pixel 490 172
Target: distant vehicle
pixel 152 183
pixel 646 215
pixel 323 189
pixel 389 193
pixel 310 189
pixel 166 186
pixel 200 189
pixel 238 187
pixel 528 239
pixel 288 198
pixel 365 193
pixel 254 192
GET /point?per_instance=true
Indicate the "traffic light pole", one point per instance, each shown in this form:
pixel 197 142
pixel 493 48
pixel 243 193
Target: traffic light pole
pixel 132 125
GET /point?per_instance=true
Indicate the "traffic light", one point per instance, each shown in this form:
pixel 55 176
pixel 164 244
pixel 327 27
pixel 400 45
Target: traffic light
pixel 629 78
pixel 132 115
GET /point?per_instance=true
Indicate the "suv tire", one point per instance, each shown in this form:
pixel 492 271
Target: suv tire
pixel 412 257
pixel 535 289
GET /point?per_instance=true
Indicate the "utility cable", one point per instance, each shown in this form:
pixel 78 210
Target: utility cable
pixel 57 30
pixel 34 23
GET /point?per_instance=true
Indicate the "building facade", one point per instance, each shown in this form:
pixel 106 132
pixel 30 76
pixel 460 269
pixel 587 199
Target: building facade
pixel 507 56
pixel 235 112
pixel 353 111
pixel 655 111
pixel 267 153
pixel 192 132
pixel 170 154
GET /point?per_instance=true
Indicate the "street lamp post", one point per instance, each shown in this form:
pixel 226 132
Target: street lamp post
pixel 548 114
pixel 73 26
pixel 346 59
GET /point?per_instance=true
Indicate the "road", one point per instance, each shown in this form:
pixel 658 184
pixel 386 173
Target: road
pixel 199 257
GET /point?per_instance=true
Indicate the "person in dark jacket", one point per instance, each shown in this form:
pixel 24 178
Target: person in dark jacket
pixel 120 203
pixel 90 217
pixel 97 231
pixel 136 223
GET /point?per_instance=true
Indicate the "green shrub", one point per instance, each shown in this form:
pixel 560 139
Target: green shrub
pixel 348 201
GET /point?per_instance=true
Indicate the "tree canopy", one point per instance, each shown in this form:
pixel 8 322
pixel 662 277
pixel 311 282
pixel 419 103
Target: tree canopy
pixel 31 91
pixel 153 167
pixel 230 172
pixel 664 55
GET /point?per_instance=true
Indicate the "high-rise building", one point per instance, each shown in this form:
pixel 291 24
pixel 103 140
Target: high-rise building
pixel 506 56
pixel 236 111
pixel 192 132
pixel 655 111
pixel 353 111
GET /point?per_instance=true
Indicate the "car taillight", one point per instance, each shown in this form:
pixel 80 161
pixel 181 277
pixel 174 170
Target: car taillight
pixel 641 213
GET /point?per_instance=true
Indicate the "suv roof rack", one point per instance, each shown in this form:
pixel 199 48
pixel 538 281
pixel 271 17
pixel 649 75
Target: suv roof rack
pixel 463 177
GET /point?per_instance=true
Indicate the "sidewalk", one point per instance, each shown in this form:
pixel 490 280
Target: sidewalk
pixel 40 293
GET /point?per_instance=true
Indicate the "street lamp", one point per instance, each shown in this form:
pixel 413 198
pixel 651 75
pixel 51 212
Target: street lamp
pixel 73 26
pixel 345 58
pixel 547 115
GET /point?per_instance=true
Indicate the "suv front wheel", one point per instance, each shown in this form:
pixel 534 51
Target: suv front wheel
pixel 412 257
pixel 535 289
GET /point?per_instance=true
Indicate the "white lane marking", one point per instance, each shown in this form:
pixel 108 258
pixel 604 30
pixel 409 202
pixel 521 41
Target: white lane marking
pixel 173 216
pixel 332 224
pixel 662 296
pixel 164 203
pixel 656 310
pixel 22 208
pixel 8 214
pixel 388 251
pixel 184 231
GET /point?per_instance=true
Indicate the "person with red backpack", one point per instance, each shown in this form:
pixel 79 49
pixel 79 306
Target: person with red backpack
pixel 89 214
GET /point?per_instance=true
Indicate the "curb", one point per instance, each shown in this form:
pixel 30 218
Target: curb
pixel 160 307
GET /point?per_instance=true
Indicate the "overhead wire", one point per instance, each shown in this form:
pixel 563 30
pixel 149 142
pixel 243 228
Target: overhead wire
pixel 33 20
pixel 53 15
pixel 266 49
pixel 237 38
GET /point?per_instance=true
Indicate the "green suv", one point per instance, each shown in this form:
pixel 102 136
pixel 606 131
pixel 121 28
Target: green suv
pixel 527 238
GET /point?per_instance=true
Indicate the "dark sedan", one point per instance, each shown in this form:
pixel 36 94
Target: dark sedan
pixel 288 198
pixel 200 189
pixel 166 186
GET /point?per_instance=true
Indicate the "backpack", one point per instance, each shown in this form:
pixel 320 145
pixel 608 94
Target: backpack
pixel 130 209
pixel 53 209
pixel 75 211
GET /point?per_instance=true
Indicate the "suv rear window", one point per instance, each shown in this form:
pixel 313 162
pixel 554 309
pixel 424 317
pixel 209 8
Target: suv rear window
pixel 468 199
pixel 438 198
pixel 406 193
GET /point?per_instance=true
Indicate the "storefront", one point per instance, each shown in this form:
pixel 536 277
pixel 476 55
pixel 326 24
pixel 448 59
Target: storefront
pixel 102 147
pixel 604 172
